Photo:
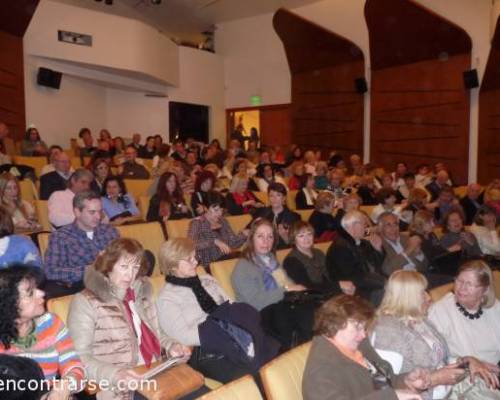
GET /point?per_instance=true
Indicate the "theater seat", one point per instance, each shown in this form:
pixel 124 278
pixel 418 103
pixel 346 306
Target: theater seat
pixel 323 246
pixel 28 190
pixel 149 235
pixel 37 163
pixel 60 306
pixel 304 214
pixel 438 292
pixel 143 204
pixel 138 187
pixel 244 388
pixel 43 242
pixel 290 199
pixel 178 228
pixel 282 377
pixel 496 283
pixel 262 196
pixel 239 222
pixel 42 214
pixel 222 271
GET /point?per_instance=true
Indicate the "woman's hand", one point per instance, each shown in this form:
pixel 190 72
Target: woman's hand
pixel 249 203
pixel 376 241
pixel 418 379
pixel 448 375
pixel 455 247
pixel 179 350
pixel 407 395
pixel 347 287
pixel 222 246
pixel 482 370
pixel 467 238
pixel 184 208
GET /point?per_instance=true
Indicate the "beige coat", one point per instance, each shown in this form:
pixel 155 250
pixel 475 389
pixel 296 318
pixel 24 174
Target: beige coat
pixel 101 332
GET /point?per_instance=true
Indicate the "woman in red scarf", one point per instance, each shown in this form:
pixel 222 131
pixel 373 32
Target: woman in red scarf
pixel 240 200
pixel 114 320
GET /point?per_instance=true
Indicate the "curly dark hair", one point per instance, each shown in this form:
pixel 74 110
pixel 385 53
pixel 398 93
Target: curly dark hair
pixel 10 278
pixel 121 185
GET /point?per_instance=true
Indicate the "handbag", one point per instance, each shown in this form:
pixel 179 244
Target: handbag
pixel 172 383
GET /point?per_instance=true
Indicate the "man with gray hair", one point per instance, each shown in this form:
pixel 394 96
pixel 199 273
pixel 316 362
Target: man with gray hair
pixel 76 245
pixel 357 256
pixel 60 203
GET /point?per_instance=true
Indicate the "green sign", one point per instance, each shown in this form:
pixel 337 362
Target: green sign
pixel 255 100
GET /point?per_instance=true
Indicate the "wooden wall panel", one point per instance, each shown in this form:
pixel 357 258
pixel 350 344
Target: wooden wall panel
pixel 489 115
pixel 275 125
pixel 12 110
pixel 326 111
pixel 419 106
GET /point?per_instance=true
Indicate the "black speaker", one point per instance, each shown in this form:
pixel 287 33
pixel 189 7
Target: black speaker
pixel 360 85
pixel 47 77
pixel 471 79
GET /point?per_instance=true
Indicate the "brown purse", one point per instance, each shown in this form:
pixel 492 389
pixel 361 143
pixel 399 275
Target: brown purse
pixel 171 384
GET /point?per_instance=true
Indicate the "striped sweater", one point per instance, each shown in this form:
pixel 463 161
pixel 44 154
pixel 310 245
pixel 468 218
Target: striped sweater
pixel 53 349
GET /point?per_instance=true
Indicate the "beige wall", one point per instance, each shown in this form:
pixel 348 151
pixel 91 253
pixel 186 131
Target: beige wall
pixel 255 61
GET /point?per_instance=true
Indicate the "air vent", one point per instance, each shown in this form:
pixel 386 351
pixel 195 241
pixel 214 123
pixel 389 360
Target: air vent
pixel 74 38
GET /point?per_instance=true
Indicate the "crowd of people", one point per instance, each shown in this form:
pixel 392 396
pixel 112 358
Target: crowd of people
pixel 363 302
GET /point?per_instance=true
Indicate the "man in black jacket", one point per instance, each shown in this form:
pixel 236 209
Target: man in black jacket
pixel 471 202
pixel 58 179
pixel 353 258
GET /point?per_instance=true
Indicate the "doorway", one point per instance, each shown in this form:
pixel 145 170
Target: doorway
pixel 188 121
pixel 244 121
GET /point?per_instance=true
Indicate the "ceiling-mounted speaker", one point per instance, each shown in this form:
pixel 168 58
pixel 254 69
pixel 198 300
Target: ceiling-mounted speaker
pixel 471 79
pixel 49 78
pixel 360 85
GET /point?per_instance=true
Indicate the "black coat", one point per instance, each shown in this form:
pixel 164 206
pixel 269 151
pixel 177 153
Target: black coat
pixel 470 209
pixel 51 182
pixel 286 217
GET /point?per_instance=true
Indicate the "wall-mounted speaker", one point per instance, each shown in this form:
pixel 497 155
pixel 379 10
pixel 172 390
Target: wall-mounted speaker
pixel 471 79
pixel 360 85
pixel 49 78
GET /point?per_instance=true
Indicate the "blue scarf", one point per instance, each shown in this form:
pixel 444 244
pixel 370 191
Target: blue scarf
pixel 267 270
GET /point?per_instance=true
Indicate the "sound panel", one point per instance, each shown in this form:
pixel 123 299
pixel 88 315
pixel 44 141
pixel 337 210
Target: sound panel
pixel 326 109
pixel 419 105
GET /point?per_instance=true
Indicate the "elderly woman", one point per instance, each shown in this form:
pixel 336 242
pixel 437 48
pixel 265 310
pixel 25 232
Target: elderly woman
pixel 240 200
pixel 27 330
pixel 259 280
pixel 306 265
pixel 227 338
pixel 403 333
pixel 211 233
pixel 114 322
pixel 21 211
pixel 343 365
pixel 118 205
pixel 306 196
pixel 485 229
pixel 469 320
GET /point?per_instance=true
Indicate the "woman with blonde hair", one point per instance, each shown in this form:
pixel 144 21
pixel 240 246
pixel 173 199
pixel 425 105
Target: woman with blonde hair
pixel 404 336
pixel 240 200
pixel 22 212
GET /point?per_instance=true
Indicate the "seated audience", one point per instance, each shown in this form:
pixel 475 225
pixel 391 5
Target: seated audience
pixel 15 249
pixel 114 322
pixel 367 190
pixel 265 176
pixel 398 176
pixel 352 257
pixel 27 330
pixel 51 154
pixel 278 213
pixel 321 178
pixel 179 151
pixel 101 170
pixel 306 265
pixel 212 235
pixel 485 229
pixel 306 196
pixel 325 225
pixel 118 205
pixel 259 280
pixel 492 196
pixel 130 168
pixel 57 179
pixel 227 339
pixel 32 145
pixel 148 151
pixel 240 200
pixel 136 141
pixel 168 201
pixel 423 176
pixel 403 330
pixel 296 171
pixel 456 235
pixel 435 187
pixel 76 245
pixel 88 148
pixel 203 185
pixel 336 179
pixel 408 185
pixel 387 203
pixel 469 320
pixel 418 199
pixel 22 212
pixel 60 202
pixel 343 365
pixel 445 202
pixel 471 202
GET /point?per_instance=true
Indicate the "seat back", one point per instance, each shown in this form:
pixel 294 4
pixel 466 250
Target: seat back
pixel 282 377
pixel 290 199
pixel 262 196
pixel 28 190
pixel 43 242
pixel 243 388
pixel 496 283
pixel 304 214
pixel 368 210
pixel 37 163
pixel 238 222
pixel 222 271
pixel 323 246
pixel 42 214
pixel 138 187
pixel 178 228
pixel 60 307
pixel 143 202
pixel 440 291
pixel 149 235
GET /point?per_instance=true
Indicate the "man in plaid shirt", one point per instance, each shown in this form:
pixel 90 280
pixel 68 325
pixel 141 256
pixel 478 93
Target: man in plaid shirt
pixel 75 246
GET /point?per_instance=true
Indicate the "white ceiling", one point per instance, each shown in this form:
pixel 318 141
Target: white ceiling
pixel 184 20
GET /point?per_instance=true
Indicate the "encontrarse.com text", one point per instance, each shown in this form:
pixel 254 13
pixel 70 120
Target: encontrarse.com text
pixel 13 385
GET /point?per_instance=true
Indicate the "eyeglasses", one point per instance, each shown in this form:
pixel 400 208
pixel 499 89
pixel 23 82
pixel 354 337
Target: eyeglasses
pixel 465 284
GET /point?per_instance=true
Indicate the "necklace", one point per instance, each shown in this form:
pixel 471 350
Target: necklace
pixel 469 315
